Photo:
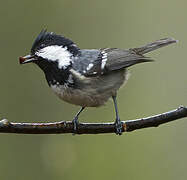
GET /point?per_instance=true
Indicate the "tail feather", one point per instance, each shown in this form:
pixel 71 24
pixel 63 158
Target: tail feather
pixel 155 45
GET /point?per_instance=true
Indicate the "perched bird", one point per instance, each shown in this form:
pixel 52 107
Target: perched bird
pixel 86 77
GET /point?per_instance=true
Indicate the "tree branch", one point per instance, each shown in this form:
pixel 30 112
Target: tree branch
pixel 91 128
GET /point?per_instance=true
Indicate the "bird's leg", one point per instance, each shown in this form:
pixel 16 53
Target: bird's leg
pixel 75 120
pixel 118 123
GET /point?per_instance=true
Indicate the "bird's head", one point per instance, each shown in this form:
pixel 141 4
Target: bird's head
pixel 51 49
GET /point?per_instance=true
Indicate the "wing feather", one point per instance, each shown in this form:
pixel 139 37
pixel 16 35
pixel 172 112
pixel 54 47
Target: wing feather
pixel 98 62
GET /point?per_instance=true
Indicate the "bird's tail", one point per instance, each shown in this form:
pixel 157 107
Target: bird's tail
pixel 155 45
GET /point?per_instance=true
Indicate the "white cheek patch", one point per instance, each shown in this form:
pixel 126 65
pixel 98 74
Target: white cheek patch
pixel 56 53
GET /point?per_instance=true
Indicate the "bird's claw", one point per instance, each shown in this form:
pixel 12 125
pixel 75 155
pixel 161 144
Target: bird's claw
pixel 75 125
pixel 119 127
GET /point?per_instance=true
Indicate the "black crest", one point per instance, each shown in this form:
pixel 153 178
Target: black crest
pixel 45 39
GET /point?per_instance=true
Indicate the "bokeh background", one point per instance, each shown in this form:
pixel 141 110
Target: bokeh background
pixel 153 153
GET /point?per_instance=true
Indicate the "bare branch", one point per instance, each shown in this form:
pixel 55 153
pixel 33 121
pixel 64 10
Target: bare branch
pixel 91 128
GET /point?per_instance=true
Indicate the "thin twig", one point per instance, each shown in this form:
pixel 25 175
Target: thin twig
pixel 91 128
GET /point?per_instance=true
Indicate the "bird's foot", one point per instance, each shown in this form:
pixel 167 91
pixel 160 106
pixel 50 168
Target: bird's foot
pixel 119 127
pixel 75 125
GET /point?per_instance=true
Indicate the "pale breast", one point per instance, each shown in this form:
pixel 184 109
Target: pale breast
pixel 79 97
pixel 95 92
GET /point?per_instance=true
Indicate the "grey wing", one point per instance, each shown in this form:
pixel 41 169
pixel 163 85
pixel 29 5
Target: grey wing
pixel 89 62
pixel 118 59
pixel 97 62
pixel 102 61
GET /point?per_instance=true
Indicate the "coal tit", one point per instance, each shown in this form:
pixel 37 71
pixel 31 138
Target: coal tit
pixel 86 77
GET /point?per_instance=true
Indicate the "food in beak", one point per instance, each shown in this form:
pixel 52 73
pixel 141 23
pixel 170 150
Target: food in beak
pixel 26 59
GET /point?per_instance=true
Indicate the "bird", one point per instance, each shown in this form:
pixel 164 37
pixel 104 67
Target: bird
pixel 86 77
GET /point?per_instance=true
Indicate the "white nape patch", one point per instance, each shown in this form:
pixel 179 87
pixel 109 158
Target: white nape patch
pixel 56 53
pixel 104 59
pixel 89 66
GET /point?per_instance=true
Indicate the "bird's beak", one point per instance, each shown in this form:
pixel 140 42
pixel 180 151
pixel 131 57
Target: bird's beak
pixel 27 59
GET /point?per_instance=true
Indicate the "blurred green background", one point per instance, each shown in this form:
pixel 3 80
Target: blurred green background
pixel 154 153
